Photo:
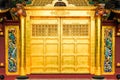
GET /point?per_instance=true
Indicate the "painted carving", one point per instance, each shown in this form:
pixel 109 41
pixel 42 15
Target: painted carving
pixel 12 51
pixel 108 55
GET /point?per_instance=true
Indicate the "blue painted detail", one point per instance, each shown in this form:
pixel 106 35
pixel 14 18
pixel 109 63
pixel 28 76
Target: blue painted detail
pixel 12 51
pixel 108 56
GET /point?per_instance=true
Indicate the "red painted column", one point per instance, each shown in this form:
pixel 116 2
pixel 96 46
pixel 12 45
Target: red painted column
pixel 117 54
pixel 2 50
pixel 2 55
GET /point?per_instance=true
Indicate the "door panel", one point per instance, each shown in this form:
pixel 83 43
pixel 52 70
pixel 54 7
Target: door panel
pixel 60 45
pixel 45 46
pixel 75 45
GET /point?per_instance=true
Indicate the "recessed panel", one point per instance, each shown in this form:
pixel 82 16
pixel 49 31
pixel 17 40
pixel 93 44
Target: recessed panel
pixel 51 61
pixel 52 49
pixel 68 61
pixel 68 48
pixel 82 61
pixel 37 61
pixel 82 49
pixel 37 49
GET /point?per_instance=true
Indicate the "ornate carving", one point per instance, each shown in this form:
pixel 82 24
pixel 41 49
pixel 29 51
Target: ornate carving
pixel 108 50
pixel 12 51
pixel 59 12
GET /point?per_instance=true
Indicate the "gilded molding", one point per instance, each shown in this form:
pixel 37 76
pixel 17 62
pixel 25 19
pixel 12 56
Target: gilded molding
pixel 22 45
pixel 60 12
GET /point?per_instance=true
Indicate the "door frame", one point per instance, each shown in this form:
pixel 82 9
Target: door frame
pixel 28 32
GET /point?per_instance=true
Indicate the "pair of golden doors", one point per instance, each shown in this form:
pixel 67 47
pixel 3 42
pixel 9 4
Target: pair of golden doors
pixel 60 45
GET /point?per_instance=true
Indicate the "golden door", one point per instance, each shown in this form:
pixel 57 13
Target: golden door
pixel 60 45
